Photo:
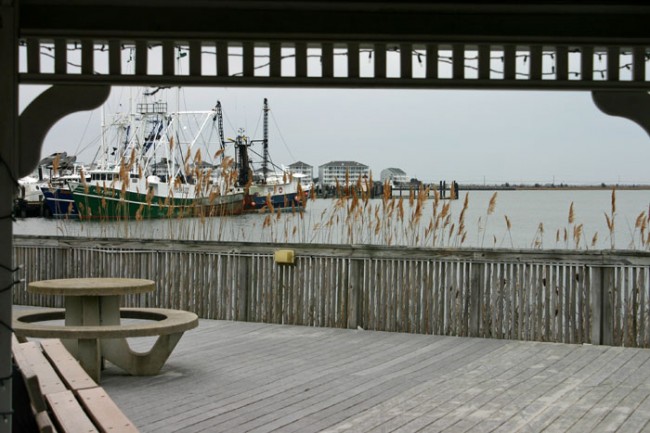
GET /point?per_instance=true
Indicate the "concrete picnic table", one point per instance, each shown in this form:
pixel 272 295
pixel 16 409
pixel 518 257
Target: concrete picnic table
pixel 93 329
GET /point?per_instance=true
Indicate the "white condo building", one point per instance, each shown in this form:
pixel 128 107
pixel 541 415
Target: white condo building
pixel 304 169
pixel 395 176
pixel 330 172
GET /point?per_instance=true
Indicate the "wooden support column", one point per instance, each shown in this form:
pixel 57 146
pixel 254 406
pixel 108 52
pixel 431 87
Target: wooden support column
pixel 9 152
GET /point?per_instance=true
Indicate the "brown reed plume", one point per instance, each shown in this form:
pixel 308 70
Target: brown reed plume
pixel 610 220
pixel 538 239
pixel 490 210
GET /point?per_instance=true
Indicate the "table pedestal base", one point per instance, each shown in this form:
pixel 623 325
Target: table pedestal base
pixel 119 353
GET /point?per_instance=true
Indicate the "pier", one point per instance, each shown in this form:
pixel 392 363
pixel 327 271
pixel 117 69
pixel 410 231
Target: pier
pixel 305 347
pixel 233 377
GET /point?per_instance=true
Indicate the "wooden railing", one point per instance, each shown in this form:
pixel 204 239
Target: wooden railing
pixel 598 297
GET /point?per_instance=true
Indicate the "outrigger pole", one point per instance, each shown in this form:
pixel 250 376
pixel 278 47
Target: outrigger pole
pixel 265 157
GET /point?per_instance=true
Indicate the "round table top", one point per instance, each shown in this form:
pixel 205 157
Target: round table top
pixel 91 286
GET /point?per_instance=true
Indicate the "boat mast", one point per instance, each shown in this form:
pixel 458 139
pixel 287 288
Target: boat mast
pixel 104 147
pixel 219 114
pixel 265 158
pixel 243 162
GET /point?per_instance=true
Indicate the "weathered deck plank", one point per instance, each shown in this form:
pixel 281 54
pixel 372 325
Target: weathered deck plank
pixel 234 376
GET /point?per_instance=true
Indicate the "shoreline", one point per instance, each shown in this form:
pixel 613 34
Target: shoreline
pixel 553 188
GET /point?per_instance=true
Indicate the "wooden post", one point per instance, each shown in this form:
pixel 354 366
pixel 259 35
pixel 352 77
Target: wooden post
pixel 8 175
pixel 242 289
pixel 607 318
pixel 278 298
pixel 596 288
pixel 355 283
pixel 477 280
pixel 601 305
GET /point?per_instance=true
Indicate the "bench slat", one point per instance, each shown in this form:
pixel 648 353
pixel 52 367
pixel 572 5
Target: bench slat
pixel 29 376
pixel 87 409
pixel 66 365
pixel 104 412
pixel 69 413
pixel 48 378
pixel 44 423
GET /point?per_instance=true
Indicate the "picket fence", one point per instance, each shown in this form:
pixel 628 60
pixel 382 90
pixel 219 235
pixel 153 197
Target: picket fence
pixel 596 297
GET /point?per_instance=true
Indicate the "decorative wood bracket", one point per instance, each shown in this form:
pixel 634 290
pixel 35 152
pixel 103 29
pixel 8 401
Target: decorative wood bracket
pixel 634 106
pixel 48 108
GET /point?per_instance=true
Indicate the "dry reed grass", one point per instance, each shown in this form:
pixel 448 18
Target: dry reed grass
pixel 423 219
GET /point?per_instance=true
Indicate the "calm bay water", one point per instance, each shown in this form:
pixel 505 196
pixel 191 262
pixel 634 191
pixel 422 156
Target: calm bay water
pixel 325 222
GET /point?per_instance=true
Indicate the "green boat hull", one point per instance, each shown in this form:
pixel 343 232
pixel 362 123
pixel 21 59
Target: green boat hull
pixel 98 203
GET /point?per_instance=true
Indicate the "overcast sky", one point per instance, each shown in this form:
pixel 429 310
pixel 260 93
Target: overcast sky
pixel 467 136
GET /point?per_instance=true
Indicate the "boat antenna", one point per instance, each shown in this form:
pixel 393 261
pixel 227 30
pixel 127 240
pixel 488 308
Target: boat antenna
pixel 219 116
pixel 265 157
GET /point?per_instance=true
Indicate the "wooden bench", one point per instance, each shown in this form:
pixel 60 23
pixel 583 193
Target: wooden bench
pixel 63 397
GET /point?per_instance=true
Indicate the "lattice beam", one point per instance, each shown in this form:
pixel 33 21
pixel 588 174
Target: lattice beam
pixel 353 64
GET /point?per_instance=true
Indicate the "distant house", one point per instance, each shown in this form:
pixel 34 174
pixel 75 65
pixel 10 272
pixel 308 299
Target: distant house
pixel 305 169
pixel 395 176
pixel 329 173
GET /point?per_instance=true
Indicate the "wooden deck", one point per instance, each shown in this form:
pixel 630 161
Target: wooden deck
pixel 233 377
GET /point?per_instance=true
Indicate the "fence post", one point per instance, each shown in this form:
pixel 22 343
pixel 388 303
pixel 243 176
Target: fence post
pixel 596 279
pixel 601 306
pixel 243 283
pixel 278 295
pixel 476 290
pixel 607 336
pixel 354 291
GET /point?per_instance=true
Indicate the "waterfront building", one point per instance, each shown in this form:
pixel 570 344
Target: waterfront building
pixel 395 176
pixel 304 169
pixel 332 171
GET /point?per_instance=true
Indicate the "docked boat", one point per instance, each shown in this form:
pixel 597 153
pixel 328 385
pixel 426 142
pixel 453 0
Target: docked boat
pixel 154 168
pixel 28 200
pixel 268 187
pixel 282 191
pixel 58 172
